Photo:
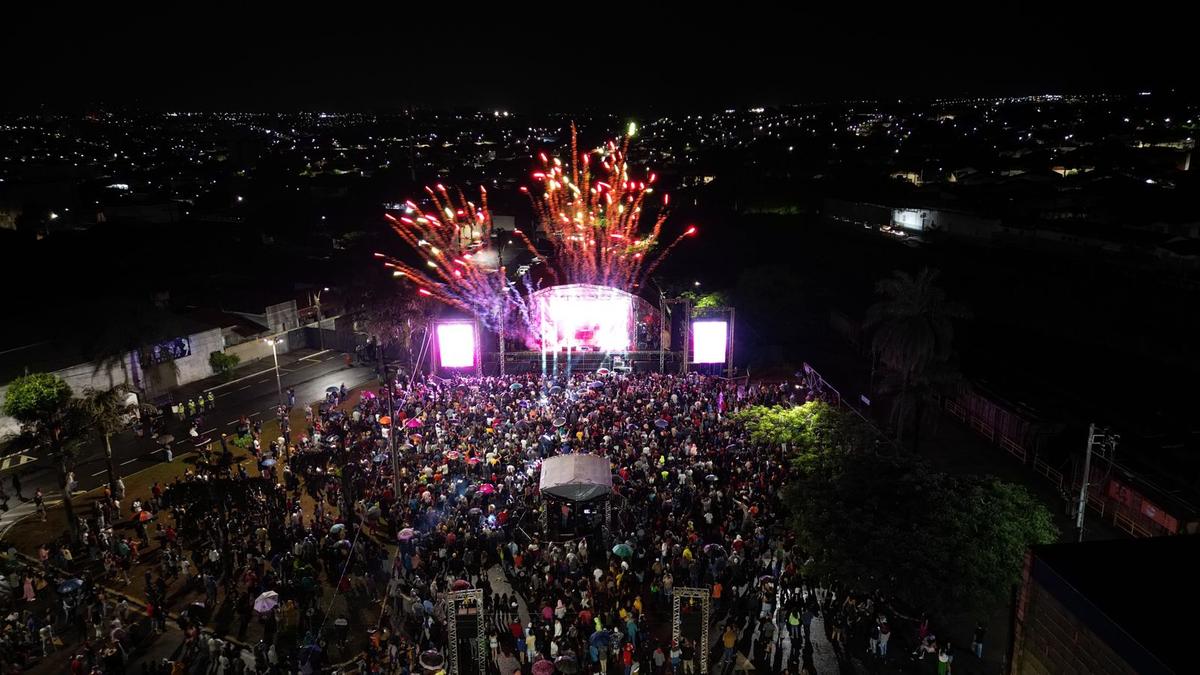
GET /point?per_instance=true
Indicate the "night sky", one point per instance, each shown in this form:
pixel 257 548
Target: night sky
pixel 605 56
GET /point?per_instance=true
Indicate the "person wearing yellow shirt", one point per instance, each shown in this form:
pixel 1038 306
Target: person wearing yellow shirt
pixel 637 604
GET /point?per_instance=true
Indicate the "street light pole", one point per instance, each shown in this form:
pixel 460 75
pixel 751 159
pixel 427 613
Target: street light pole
pixel 320 327
pixel 275 355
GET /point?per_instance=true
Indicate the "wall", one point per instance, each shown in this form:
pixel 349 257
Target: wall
pixel 1054 641
pixel 156 380
pixel 250 350
pixel 282 316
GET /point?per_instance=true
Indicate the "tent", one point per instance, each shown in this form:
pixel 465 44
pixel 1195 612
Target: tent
pixel 576 477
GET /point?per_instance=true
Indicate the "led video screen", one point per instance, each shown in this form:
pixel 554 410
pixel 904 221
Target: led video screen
pixel 582 317
pixel 456 345
pixel 709 341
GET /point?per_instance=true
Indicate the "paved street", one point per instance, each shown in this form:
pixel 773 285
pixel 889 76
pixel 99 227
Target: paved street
pixel 252 392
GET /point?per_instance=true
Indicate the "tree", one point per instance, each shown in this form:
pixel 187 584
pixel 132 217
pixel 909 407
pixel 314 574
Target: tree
pixel 808 428
pixel 395 318
pixel 223 364
pixel 914 334
pixel 41 402
pixel 104 413
pixel 934 541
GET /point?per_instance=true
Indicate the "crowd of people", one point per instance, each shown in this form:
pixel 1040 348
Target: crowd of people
pixel 430 485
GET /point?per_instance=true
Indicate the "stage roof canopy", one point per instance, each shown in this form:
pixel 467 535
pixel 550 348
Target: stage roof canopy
pixel 578 478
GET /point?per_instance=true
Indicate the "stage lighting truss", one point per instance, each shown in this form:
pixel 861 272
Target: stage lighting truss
pixel 472 597
pixel 704 595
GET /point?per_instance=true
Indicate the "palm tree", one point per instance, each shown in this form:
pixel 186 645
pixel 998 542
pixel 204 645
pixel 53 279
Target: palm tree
pixel 104 413
pixel 914 339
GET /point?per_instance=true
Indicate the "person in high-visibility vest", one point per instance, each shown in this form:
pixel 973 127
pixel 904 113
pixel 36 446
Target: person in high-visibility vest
pixel 212 401
pixel 191 407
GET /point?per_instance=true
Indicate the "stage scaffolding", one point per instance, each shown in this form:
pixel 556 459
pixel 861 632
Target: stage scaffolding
pixel 455 600
pixel 704 595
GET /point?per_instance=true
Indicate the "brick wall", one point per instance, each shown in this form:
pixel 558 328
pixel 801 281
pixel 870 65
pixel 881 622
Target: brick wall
pixel 1054 642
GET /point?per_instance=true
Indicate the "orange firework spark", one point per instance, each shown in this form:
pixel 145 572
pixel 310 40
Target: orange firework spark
pixel 593 221
pixel 452 239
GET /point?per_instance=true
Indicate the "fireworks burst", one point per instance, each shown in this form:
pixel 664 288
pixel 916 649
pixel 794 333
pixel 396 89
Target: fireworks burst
pixel 593 220
pixel 452 239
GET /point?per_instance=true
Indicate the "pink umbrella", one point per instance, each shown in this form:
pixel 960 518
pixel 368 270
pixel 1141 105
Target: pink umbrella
pixel 368 394
pixel 453 455
pixel 406 534
pixel 473 461
pixel 486 489
pixel 414 423
pixel 543 667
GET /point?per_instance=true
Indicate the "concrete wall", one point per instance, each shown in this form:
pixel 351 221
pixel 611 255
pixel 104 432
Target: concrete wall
pixel 162 377
pixel 156 380
pixel 250 350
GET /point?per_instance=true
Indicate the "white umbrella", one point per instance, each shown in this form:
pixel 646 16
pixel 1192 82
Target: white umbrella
pixel 266 602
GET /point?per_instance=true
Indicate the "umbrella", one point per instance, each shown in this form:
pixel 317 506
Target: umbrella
pixel 165 439
pixel 486 489
pixel 406 534
pixel 268 463
pixel 330 389
pixel 543 667
pixel 143 516
pixel 622 550
pixel 516 386
pixel 473 461
pixel 602 372
pixel 197 611
pixel 460 585
pixel 475 511
pixel 385 420
pixel 70 586
pixel 432 660
pixel 453 455
pixel 378 458
pixel 560 421
pixel 345 543
pixel 266 602
pixel 368 394
pixel 600 638
pixel 337 527
pixel 712 478
pixel 595 384
pixel 414 423
pixel 661 423
pixel 714 550
pixel 556 389
pixel 566 665
pixel 374 512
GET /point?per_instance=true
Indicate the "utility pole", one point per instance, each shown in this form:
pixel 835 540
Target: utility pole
pixel 1107 441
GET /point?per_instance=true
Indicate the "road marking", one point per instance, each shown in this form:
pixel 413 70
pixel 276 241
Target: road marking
pixel 15 460
pixel 244 377
pixel 315 355
pixel 262 381
pixel 205 433
pixel 245 387
pixel 100 473
pixel 130 461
